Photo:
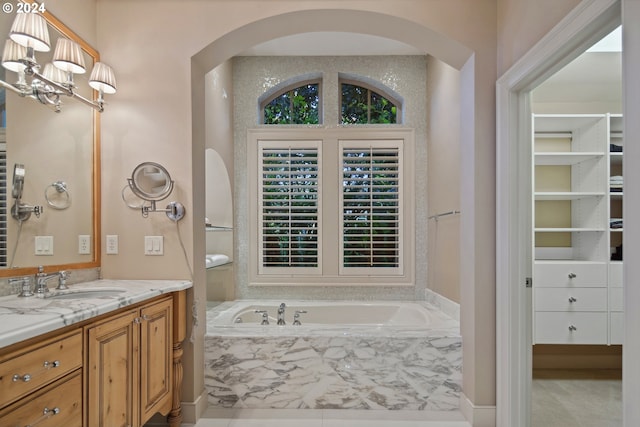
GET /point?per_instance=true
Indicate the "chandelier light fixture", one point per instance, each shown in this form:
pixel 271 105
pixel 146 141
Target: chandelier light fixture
pixel 29 34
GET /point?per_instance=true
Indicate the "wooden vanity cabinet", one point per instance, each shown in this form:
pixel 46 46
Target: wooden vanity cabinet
pixel 129 366
pixel 115 370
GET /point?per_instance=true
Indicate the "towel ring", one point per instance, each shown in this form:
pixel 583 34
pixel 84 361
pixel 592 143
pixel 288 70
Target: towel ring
pixel 60 199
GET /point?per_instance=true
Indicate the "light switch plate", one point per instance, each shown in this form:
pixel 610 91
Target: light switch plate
pixel 44 245
pixel 153 245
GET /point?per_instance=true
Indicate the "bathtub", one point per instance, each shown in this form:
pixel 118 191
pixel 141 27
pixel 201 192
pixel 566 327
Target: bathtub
pixel 344 355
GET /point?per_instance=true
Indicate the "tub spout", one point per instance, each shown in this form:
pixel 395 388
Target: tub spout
pixel 281 314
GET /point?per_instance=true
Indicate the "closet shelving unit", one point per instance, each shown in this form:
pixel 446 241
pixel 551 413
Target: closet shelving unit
pixel 573 204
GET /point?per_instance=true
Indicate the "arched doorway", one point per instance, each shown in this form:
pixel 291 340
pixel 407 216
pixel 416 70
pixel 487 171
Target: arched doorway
pixel 478 325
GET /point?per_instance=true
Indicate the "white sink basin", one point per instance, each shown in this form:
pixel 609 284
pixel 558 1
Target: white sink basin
pixel 85 293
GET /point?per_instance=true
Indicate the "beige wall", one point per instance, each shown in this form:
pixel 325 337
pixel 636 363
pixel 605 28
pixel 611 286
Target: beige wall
pixel 521 23
pixel 443 180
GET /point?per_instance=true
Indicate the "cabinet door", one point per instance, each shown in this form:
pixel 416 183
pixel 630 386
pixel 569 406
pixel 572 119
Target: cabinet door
pixel 113 354
pixel 156 359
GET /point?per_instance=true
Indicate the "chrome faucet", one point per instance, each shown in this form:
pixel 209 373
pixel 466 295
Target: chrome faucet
pixel 42 278
pixel 281 314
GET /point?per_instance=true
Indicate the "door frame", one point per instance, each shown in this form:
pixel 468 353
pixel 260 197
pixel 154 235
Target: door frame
pixel 584 25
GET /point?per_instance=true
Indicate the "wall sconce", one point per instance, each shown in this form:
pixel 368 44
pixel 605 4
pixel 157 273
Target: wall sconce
pixel 29 33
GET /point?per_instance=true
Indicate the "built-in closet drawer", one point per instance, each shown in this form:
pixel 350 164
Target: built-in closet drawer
pixel 571 299
pixel 570 274
pixel 571 328
pixel 615 274
pixel 27 369
pixel 617 328
pixel 616 299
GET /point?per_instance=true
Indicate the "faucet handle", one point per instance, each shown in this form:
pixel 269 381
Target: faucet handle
pixel 296 317
pixel 265 316
pixel 40 270
pixel 63 275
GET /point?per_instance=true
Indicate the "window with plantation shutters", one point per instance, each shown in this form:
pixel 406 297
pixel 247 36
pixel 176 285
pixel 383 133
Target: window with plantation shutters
pixel 289 211
pixel 371 207
pixel 330 207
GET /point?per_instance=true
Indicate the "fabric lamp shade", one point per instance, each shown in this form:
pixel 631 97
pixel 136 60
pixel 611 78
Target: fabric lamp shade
pixel 68 56
pixel 54 73
pixel 102 78
pixel 30 30
pixel 11 56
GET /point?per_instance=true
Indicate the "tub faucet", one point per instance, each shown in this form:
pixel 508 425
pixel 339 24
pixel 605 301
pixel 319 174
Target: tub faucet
pixel 281 314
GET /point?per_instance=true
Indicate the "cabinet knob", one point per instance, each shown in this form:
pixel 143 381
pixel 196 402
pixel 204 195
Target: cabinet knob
pixel 572 275
pixel 572 328
pixel 572 299
pixel 46 365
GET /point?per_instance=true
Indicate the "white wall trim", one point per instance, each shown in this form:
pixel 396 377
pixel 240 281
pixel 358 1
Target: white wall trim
pixel 477 416
pixel 192 411
pixel 588 22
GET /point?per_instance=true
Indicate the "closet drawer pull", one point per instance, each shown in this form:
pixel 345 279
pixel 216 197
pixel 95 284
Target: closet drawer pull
pixel 572 299
pixel 572 275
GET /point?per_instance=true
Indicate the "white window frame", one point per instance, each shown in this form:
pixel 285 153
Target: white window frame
pixel 330 228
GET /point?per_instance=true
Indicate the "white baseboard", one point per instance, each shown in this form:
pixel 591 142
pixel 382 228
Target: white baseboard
pixel 478 416
pixel 192 411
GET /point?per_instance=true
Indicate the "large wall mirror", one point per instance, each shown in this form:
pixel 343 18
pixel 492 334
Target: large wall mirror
pixel 59 156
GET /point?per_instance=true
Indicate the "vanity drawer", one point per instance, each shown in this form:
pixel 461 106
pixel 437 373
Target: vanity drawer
pixel 29 368
pixel 570 328
pixel 59 404
pixel 571 299
pixel 570 274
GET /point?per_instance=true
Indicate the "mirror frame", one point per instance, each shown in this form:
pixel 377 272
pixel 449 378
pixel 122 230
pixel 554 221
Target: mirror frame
pixel 145 195
pixel 56 24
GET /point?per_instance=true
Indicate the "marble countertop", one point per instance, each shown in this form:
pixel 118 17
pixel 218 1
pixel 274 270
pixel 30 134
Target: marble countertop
pixel 22 318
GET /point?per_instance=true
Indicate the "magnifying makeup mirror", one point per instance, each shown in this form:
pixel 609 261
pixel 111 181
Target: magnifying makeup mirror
pixel 151 182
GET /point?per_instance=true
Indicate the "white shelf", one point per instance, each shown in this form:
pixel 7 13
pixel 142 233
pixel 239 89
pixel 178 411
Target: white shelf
pixel 565 158
pixel 569 230
pixel 567 195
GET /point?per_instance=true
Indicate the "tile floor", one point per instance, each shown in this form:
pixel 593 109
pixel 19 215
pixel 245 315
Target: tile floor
pixel 328 418
pixel 576 398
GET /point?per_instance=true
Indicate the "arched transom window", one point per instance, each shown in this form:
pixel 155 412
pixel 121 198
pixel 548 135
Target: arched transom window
pixel 297 104
pixel 361 103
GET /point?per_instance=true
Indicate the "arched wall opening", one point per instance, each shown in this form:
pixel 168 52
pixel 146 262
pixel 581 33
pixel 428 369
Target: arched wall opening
pixel 479 372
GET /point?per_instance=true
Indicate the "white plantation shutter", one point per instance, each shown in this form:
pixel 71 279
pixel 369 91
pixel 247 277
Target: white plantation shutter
pixel 3 208
pixel 371 204
pixel 289 207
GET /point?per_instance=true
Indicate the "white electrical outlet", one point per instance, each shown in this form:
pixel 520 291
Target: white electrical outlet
pixel 153 245
pixel 84 244
pixel 112 244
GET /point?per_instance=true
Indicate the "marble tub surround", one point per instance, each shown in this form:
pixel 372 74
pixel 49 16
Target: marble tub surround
pixel 334 373
pixel 24 318
pixel 332 366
